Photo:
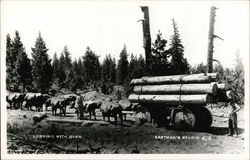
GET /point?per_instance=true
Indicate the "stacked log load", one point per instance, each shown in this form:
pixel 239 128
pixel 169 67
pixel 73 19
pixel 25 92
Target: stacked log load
pixel 178 89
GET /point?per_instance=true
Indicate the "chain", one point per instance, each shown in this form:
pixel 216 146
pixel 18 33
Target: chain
pixel 143 80
pixel 181 77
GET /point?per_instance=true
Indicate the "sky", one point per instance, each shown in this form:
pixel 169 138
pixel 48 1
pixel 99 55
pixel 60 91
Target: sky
pixel 105 26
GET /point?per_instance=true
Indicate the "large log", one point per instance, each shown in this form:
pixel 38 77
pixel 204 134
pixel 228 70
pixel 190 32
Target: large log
pixel 89 123
pixel 39 117
pixel 175 79
pixel 65 121
pixel 171 99
pixel 207 88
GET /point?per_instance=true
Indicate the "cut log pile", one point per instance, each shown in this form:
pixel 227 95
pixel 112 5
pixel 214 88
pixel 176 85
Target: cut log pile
pixel 178 89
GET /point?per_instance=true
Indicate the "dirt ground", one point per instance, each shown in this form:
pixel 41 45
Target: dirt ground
pixel 96 137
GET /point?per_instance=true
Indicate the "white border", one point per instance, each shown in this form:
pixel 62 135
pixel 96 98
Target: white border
pixel 4 155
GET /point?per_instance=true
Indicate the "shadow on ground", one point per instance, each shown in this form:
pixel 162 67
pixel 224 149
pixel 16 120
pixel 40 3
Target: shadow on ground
pixel 222 130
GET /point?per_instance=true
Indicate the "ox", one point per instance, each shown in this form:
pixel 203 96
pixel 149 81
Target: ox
pixel 15 99
pixel 111 108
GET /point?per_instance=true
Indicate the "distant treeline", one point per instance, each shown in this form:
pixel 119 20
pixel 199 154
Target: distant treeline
pixel 43 74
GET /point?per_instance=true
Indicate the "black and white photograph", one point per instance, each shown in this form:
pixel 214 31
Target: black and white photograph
pixel 124 79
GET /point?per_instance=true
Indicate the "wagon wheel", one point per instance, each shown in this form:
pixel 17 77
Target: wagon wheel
pixel 184 119
pixel 142 117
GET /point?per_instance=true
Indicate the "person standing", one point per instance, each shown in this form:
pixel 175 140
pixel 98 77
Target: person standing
pixel 232 122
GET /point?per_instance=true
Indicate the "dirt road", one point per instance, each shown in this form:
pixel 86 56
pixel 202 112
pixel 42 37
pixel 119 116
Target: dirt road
pixel 46 137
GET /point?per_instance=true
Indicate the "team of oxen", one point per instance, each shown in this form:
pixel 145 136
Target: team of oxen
pixel 108 107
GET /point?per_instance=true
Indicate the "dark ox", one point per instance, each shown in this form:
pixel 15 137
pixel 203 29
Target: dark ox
pixel 35 99
pixel 57 103
pixel 60 103
pixel 111 108
pixel 15 100
pixel 91 106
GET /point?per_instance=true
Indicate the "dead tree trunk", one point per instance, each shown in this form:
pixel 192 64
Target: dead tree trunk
pixel 146 38
pixel 211 41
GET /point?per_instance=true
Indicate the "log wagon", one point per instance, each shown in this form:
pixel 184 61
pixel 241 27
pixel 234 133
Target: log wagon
pixel 178 100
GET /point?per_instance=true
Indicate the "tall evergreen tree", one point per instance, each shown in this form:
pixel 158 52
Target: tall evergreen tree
pixel 41 66
pixel 13 49
pixel 55 66
pixel 62 75
pixel 141 66
pixel 108 75
pixel 113 70
pixel 160 57
pixel 77 81
pixel 238 83
pixel 218 68
pixel 179 64
pixel 91 66
pixel 133 64
pixel 68 66
pixel 10 63
pixel 200 68
pixel 23 69
pixel 68 61
pixel 78 67
pixel 108 68
pixel 122 67
pixel 136 67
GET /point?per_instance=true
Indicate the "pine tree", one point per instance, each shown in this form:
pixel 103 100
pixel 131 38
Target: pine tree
pixel 200 68
pixel 179 64
pixel 122 67
pixel 62 71
pixel 23 69
pixel 113 71
pixel 68 61
pixel 160 57
pixel 133 66
pixel 55 66
pixel 218 68
pixel 91 67
pixel 141 67
pixel 76 75
pixel 41 66
pixel 13 49
pixel 78 66
pixel 68 66
pixel 108 68
pixel 10 63
pixel 238 83
pixel 108 74
pixel 136 67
